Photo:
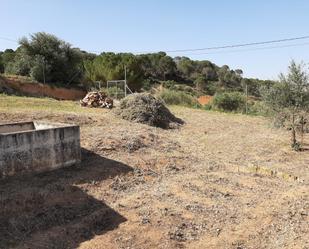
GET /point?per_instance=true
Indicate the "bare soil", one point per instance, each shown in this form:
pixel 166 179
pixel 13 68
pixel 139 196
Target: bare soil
pixel 219 181
pixel 204 100
pixel 23 87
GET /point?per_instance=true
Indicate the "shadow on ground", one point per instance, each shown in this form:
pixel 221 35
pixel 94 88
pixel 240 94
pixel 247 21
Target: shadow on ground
pixel 49 211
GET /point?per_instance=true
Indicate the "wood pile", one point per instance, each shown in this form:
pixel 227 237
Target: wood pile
pixel 97 99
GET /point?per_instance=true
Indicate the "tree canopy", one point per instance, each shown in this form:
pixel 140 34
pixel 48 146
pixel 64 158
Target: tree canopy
pixel 46 58
pixel 289 99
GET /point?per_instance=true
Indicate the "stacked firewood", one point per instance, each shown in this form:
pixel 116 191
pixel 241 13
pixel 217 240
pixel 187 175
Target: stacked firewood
pixel 97 99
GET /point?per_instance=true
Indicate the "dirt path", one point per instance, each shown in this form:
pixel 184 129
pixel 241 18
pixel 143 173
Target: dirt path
pixel 221 181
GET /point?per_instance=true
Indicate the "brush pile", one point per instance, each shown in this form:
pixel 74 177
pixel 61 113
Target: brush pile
pixel 146 109
pixel 97 99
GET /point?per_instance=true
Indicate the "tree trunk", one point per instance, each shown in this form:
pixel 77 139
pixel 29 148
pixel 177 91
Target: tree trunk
pixel 302 120
pixel 293 132
pixel 293 137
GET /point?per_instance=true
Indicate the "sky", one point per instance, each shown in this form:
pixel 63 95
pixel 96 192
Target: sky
pixel 163 25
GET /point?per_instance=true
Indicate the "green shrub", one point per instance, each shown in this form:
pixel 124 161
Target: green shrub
pixel 146 85
pixel 258 108
pixel 211 88
pixel 207 107
pixel 170 84
pixel 229 101
pixel 188 89
pixel 172 97
pixel 184 88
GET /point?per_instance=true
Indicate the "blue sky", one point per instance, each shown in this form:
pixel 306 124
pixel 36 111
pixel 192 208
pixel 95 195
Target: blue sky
pixel 158 25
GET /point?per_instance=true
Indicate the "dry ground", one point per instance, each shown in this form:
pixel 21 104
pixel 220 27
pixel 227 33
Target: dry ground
pixel 220 181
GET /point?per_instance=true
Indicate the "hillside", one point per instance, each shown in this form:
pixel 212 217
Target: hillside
pixel 220 181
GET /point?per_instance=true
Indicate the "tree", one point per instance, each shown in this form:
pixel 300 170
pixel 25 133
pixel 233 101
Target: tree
pixel 255 85
pixel 135 74
pixel 186 67
pixel 201 83
pixel 166 66
pixel 239 72
pixel 1 63
pixel 289 98
pixel 229 79
pixel 45 57
pixel 210 73
pixel 20 65
pixel 110 66
pixel 157 66
pixel 6 58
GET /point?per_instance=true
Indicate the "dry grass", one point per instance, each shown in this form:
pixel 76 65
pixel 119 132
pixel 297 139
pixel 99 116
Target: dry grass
pixel 24 79
pixel 206 185
pixel 21 104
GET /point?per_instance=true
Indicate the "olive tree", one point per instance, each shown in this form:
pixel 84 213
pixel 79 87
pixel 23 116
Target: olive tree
pixel 289 99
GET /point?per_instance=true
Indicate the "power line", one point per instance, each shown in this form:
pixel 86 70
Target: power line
pixel 241 45
pixel 219 47
pixel 252 49
pixel 8 39
pixel 232 46
pixel 223 47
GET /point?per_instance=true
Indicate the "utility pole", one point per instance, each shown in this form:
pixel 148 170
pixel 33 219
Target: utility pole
pixel 125 81
pixel 43 60
pixel 246 98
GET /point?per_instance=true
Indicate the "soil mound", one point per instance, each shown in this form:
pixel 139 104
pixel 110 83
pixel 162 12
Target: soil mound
pixel 146 109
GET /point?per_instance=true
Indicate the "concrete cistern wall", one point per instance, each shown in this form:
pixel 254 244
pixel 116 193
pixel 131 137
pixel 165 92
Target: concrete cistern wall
pixel 37 147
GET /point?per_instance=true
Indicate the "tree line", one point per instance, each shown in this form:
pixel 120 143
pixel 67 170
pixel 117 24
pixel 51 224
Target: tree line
pixel 46 58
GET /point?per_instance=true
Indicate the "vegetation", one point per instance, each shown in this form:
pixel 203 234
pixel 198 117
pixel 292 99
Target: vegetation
pixel 5 58
pixel 174 97
pixel 289 99
pixel 249 160
pixel 109 66
pixel 47 58
pixel 254 85
pixel 229 101
pixel 114 92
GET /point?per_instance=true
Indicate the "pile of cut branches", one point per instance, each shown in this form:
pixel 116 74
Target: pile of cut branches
pixel 97 99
